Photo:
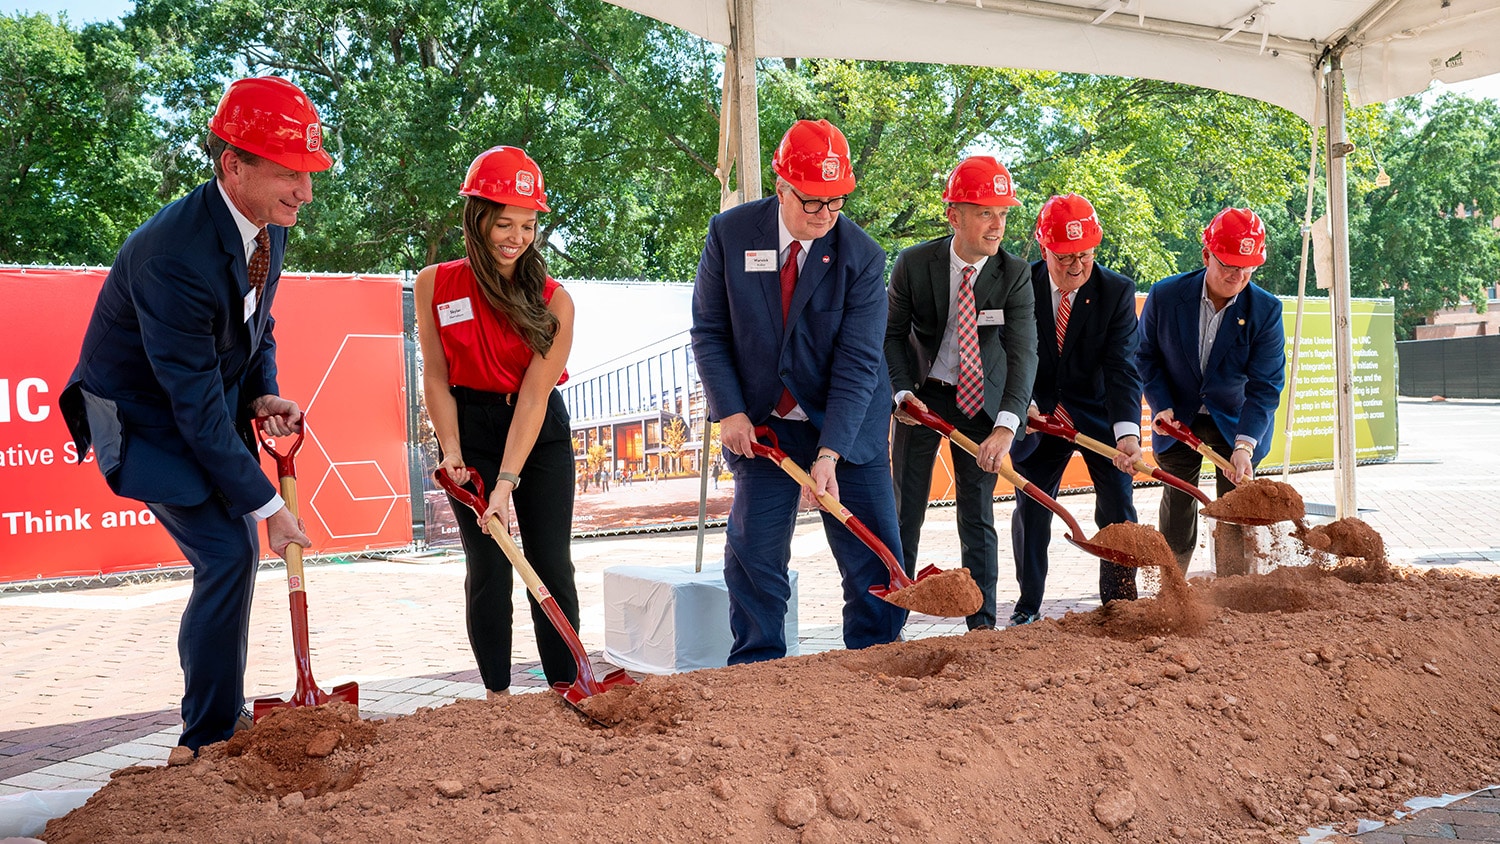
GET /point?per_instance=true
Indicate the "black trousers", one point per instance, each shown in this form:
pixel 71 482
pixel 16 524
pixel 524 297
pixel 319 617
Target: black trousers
pixel 543 508
pixel 1031 524
pixel 1177 516
pixel 913 452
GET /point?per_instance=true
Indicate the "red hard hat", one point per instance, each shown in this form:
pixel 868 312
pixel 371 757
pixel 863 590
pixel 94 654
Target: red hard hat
pixel 981 180
pixel 813 157
pixel 506 175
pixel 1068 224
pixel 270 117
pixel 1237 237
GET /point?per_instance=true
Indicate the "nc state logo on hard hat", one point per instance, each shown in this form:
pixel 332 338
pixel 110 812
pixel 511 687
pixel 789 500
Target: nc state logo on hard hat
pixel 1074 230
pixel 314 137
pixel 1002 185
pixel 831 168
pixel 525 183
pixel 1247 246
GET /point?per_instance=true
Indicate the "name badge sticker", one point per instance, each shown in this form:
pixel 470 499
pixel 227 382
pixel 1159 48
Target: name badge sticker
pixel 760 260
pixel 250 304
pixel 993 316
pixel 459 310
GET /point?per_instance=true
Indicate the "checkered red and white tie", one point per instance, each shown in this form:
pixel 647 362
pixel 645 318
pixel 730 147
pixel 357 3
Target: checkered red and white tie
pixel 970 369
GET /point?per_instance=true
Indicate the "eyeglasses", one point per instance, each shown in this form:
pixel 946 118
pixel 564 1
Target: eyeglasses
pixel 1233 270
pixel 813 206
pixel 1074 258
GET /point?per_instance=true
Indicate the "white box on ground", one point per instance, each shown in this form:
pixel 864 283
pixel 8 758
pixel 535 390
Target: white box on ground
pixel 666 619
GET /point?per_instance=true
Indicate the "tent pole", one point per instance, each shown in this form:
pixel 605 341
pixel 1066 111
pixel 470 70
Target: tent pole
pixel 747 104
pixel 1291 378
pixel 1337 147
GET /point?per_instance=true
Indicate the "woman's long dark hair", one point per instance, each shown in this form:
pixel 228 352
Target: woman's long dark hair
pixel 520 299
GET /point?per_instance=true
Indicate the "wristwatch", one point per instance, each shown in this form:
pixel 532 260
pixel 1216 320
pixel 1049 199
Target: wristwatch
pixel 515 480
pixel 1244 446
pixel 833 457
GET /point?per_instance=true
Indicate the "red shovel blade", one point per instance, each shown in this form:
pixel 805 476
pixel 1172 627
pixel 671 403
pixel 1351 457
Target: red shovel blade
pixel 307 692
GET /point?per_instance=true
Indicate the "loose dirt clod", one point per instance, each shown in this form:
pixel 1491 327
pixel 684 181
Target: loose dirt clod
pixel 1049 732
pixel 1260 499
pixel 952 593
pixel 1143 543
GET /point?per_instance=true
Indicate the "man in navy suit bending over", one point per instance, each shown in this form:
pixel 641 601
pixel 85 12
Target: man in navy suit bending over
pixel 789 312
pixel 1213 357
pixel 179 357
pixel 1086 377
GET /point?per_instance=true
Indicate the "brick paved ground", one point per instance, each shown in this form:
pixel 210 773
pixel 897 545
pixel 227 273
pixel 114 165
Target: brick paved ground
pixel 91 679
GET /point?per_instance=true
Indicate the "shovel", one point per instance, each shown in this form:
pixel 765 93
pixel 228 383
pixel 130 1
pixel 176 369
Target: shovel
pixel 1057 428
pixel 899 579
pixel 307 692
pixel 940 425
pixel 585 685
pixel 1178 431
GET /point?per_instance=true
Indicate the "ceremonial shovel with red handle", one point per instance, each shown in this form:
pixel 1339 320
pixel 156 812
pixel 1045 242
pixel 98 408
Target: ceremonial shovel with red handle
pixel 307 692
pixel 1057 428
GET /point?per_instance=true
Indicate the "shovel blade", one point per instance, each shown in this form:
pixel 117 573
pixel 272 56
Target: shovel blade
pixel 342 693
pixel 580 690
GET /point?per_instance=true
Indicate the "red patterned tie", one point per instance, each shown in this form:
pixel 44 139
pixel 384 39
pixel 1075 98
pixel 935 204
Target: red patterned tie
pixel 1064 309
pixel 260 261
pixel 970 369
pixel 788 284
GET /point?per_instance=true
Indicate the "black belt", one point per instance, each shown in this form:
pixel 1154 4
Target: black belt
pixel 469 395
pixel 939 383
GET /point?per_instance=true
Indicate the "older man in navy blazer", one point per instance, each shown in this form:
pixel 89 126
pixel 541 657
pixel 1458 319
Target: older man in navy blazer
pixel 179 356
pixel 1212 356
pixel 788 316
pixel 1086 377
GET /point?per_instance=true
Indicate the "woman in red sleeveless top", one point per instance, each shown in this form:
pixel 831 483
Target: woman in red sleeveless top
pixel 495 332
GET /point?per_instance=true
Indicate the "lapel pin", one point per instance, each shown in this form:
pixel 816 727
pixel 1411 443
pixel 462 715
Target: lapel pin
pixel 825 259
pixel 1086 301
pixel 1242 320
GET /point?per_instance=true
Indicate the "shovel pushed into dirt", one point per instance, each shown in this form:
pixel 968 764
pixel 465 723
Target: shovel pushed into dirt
pixel 1277 497
pixel 585 685
pixel 307 692
pixel 1075 534
pixel 951 594
pixel 1056 427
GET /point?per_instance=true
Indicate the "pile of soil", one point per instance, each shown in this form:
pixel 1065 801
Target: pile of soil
pixel 952 594
pixel 1347 537
pixel 1246 709
pixel 1260 501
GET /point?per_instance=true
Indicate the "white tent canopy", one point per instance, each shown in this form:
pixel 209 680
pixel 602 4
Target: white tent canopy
pixel 1303 55
pixel 1265 49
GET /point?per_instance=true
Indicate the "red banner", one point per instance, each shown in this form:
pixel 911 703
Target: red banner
pixel 340 356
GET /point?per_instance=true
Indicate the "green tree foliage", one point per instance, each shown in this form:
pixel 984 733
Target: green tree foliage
pixel 1428 240
pixel 1157 159
pixel 612 106
pixel 76 174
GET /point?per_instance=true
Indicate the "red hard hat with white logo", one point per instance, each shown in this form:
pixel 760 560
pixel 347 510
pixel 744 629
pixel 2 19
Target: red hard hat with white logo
pixel 506 175
pixel 1237 238
pixel 270 117
pixel 813 157
pixel 981 180
pixel 1068 224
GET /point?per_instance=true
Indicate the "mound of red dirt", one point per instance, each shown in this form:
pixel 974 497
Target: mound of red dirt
pixel 1242 710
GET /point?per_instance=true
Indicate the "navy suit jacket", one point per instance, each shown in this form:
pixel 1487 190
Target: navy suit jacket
pixel 1241 384
pixel 1094 377
pixel 920 286
pixel 827 352
pixel 170 361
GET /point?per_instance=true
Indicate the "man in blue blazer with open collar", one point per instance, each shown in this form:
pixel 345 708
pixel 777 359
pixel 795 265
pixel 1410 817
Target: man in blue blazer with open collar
pixel 788 315
pixel 179 355
pixel 1212 356
pixel 1086 376
pixel 929 285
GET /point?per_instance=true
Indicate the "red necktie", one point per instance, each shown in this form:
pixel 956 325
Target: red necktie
pixel 970 369
pixel 788 284
pixel 1064 309
pixel 260 261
